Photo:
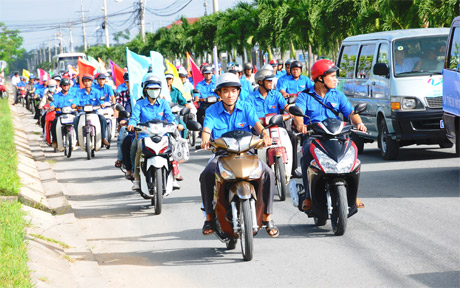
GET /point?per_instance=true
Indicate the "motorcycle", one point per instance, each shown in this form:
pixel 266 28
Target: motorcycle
pixel 334 172
pixel 278 156
pixel 205 103
pixel 238 204
pixel 111 123
pixel 22 93
pixel 65 132
pixel 155 167
pixel 3 91
pixel 89 131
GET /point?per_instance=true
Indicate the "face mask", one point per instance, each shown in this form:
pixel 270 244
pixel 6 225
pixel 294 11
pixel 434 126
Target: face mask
pixel 153 93
pixel 52 88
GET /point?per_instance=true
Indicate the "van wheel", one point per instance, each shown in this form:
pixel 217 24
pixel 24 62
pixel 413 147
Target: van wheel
pixel 359 142
pixel 389 148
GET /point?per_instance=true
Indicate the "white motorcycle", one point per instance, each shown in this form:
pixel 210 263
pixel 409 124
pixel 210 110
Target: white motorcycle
pixel 279 155
pixel 89 131
pixel 111 122
pixel 65 132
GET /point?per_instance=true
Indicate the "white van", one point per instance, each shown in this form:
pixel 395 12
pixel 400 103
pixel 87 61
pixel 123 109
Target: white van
pixel 398 73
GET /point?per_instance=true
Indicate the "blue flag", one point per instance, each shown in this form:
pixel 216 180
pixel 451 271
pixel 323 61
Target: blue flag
pixel 138 66
pixel 158 69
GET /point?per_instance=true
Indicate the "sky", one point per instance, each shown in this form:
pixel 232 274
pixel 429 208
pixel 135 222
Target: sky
pixel 39 20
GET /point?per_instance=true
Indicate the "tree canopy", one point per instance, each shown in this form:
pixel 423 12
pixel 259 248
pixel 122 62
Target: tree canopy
pixel 10 44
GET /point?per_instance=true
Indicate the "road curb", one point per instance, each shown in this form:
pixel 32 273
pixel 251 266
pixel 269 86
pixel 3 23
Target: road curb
pixel 40 188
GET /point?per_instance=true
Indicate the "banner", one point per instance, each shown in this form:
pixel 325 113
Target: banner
pixel 84 68
pixel 94 62
pixel 117 73
pixel 177 83
pixel 158 69
pixel 196 73
pixel 102 68
pixel 26 74
pixel 72 71
pixel 138 66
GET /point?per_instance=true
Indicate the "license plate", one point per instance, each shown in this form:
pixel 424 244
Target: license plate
pixel 66 119
pixel 441 124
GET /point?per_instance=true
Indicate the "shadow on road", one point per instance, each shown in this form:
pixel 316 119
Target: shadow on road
pixel 370 156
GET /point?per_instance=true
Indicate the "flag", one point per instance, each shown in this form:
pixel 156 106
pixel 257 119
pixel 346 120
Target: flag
pixel 94 62
pixel 42 73
pixel 102 68
pixel 138 66
pixel 177 83
pixel 158 69
pixel 117 73
pixel 196 73
pixel 25 73
pixel 72 71
pixel 84 68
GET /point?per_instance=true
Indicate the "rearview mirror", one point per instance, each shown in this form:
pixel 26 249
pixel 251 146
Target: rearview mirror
pixel 360 108
pixel 296 111
pixel 276 120
pixel 184 111
pixel 381 69
pixel 193 125
pixel 196 91
pixel 119 107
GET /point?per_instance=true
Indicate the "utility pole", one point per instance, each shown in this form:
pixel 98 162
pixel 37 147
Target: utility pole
pixel 214 51
pixel 85 45
pixel 49 51
pixel 106 28
pixel 60 39
pixel 71 39
pixel 141 20
pixel 151 27
pixel 55 44
pixel 205 7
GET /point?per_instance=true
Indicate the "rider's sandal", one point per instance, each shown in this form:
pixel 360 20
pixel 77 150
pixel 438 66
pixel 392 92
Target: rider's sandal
pixel 118 163
pixel 271 229
pixel 129 177
pixel 208 228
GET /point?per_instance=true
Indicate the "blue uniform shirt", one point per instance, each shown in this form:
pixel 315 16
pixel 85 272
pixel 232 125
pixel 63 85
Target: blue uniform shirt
pixel 21 84
pixel 220 121
pixel 61 100
pixel 39 90
pixel 144 111
pixel 106 92
pixel 280 74
pixel 205 89
pixel 91 98
pixel 273 103
pixel 317 112
pixel 122 88
pixel 246 85
pixel 292 86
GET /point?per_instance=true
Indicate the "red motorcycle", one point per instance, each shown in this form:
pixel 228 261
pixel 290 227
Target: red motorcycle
pixel 22 93
pixel 3 91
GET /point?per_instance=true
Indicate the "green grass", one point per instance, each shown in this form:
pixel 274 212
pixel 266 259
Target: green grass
pixel 14 271
pixel 9 180
pixel 60 243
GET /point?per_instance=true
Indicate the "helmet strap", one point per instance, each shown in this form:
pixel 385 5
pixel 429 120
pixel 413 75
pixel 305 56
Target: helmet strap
pixel 322 81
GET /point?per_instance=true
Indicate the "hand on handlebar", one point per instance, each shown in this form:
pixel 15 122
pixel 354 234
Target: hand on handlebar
pixel 267 139
pixel 130 128
pixel 302 129
pixel 361 127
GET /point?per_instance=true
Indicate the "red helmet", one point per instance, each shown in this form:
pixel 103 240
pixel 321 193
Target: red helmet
pixel 322 67
pixel 273 62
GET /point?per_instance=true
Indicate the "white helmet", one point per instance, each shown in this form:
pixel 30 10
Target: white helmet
pixel 227 80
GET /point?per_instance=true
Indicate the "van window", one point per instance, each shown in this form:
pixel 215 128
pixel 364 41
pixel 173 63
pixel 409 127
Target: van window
pixel 454 53
pixel 382 56
pixel 348 60
pixel 419 56
pixel 365 61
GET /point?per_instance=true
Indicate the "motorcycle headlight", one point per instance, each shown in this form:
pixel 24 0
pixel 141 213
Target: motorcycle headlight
pixel 256 173
pixel 227 175
pixel 330 166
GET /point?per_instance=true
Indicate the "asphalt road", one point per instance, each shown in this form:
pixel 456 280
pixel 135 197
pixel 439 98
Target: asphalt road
pixel 407 236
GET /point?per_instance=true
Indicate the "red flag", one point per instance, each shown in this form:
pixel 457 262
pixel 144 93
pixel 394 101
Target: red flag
pixel 196 73
pixel 117 73
pixel 84 68
pixel 255 69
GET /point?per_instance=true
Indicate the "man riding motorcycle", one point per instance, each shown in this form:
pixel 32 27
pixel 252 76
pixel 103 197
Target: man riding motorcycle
pixel 206 88
pixel 228 115
pixel 105 89
pixel 296 82
pixel 266 100
pixel 313 102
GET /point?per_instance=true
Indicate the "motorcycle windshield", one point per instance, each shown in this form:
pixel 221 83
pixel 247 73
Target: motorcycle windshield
pixel 159 127
pixel 331 126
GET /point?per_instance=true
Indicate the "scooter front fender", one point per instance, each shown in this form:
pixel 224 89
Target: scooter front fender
pixel 243 189
pixel 157 162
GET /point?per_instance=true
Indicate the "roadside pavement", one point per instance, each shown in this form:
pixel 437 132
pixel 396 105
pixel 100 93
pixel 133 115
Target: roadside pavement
pixel 58 254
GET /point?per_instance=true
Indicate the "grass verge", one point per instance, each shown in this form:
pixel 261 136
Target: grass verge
pixel 9 179
pixel 14 271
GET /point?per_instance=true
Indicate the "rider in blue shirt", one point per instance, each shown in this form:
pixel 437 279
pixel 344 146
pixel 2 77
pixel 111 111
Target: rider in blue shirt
pixel 206 88
pixel 227 115
pixel 296 82
pixel 62 99
pixel 106 90
pixel 123 86
pixel 90 96
pixel 324 73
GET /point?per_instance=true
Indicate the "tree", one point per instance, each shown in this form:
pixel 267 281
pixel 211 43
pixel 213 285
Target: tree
pixel 10 44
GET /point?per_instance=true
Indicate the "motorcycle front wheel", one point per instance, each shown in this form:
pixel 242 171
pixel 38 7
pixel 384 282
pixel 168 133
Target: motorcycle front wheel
pixel 88 146
pixel 157 199
pixel 247 237
pixel 339 215
pixel 280 178
pixel 68 146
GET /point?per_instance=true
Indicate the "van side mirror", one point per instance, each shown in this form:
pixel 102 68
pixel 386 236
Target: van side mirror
pixel 381 69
